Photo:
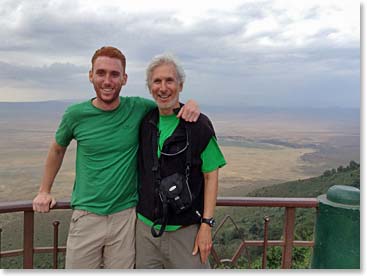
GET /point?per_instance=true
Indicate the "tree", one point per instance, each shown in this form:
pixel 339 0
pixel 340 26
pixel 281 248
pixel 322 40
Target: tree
pixel 327 173
pixel 353 165
pixel 274 257
pixel 254 230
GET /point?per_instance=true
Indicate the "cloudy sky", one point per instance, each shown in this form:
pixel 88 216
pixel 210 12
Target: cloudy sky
pixel 259 53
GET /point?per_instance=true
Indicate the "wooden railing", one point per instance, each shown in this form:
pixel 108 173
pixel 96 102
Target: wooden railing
pixel 287 244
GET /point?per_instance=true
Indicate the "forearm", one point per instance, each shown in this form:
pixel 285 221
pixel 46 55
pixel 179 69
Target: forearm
pixel 203 241
pixel 190 112
pixel 53 163
pixel 210 193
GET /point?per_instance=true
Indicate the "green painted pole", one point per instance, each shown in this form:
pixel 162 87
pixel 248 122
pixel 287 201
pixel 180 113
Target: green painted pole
pixel 337 231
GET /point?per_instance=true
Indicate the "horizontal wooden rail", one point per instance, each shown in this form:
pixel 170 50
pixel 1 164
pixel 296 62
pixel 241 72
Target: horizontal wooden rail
pixel 267 202
pixel 26 205
pixel 36 250
pixel 21 206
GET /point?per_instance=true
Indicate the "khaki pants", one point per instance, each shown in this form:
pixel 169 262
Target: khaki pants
pixel 171 250
pixel 96 241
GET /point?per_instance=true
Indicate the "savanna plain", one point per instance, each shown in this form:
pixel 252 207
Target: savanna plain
pixel 262 147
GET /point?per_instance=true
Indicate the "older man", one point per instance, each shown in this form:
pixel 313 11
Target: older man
pixel 178 167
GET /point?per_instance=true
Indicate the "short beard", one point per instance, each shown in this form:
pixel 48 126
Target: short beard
pixel 170 105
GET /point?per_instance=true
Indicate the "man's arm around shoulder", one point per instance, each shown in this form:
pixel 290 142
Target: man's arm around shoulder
pixel 44 200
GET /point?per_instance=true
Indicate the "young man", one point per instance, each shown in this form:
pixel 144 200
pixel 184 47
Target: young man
pixel 106 128
pixel 178 168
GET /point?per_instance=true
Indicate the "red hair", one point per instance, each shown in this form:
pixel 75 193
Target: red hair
pixel 109 51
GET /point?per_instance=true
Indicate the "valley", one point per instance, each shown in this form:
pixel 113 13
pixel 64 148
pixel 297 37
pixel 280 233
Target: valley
pixel 262 148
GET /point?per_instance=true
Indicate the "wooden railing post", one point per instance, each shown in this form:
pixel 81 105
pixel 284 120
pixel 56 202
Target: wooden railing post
pixel 1 230
pixel 265 247
pixel 56 243
pixel 288 234
pixel 28 231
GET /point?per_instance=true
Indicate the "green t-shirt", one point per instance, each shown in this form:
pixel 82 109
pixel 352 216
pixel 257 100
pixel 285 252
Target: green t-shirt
pixel 212 157
pixel 106 160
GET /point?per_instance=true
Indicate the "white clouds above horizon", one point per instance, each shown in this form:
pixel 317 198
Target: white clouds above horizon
pixel 233 50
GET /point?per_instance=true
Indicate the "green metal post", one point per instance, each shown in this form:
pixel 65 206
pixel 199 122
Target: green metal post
pixel 337 232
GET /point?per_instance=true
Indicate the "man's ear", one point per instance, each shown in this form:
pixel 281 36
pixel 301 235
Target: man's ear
pixel 180 87
pixel 90 75
pixel 124 78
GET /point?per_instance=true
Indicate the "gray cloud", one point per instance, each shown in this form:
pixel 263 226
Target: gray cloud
pixel 55 75
pixel 49 44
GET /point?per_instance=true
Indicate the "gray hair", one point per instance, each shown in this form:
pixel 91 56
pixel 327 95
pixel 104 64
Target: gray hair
pixel 161 59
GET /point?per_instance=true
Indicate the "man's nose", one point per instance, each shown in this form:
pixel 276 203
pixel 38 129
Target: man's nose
pixel 163 86
pixel 107 80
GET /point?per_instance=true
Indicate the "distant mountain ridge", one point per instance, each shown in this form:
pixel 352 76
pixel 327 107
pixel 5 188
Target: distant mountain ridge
pixel 46 109
pixel 326 113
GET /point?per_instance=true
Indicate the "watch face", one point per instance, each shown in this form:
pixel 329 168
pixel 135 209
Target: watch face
pixel 212 222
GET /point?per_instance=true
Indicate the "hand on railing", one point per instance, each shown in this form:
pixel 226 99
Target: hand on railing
pixel 43 202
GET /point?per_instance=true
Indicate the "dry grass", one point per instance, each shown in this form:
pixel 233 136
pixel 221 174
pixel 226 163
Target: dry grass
pixel 253 165
pixel 252 168
pixel 24 145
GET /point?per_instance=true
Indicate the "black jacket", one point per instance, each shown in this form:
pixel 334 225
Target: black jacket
pixel 149 204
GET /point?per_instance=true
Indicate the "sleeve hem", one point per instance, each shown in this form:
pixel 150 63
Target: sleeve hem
pixel 214 168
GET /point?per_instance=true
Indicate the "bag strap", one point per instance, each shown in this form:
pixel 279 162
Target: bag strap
pixel 155 168
pixel 162 221
pixel 188 151
pixel 157 182
pixel 157 177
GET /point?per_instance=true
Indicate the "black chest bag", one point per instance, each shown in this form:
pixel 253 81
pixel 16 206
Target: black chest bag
pixel 173 190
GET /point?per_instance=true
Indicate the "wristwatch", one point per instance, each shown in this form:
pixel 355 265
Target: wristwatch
pixel 209 221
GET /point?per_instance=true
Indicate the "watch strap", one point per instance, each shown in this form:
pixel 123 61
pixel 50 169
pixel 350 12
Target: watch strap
pixel 209 221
